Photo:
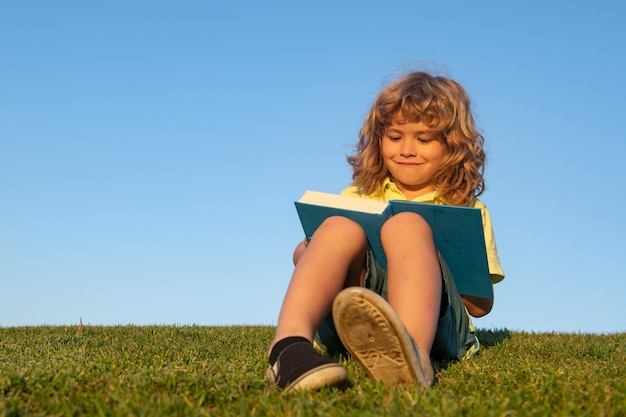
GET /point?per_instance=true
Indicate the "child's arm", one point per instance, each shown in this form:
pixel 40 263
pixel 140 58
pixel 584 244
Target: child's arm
pixel 477 306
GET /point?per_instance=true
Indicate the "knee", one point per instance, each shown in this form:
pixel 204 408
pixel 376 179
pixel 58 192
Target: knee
pixel 338 227
pixel 406 222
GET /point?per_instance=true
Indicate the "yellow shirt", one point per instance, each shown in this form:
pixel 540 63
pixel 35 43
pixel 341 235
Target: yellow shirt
pixel 391 192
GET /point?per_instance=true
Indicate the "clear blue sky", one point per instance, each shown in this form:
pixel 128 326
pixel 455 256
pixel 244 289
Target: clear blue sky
pixel 151 151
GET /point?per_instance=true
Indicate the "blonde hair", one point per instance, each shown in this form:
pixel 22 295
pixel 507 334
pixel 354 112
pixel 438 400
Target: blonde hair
pixel 441 104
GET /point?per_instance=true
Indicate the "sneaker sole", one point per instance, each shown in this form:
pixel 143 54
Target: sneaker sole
pixel 328 375
pixel 374 335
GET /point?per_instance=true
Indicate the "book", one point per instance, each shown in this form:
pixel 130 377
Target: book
pixel 458 232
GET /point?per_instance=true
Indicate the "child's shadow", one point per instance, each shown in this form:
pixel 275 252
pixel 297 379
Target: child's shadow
pixel 487 339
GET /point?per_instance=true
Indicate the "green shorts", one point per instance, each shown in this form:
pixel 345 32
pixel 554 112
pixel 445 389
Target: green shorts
pixel 455 334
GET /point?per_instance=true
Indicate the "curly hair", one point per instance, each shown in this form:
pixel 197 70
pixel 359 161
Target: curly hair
pixel 443 105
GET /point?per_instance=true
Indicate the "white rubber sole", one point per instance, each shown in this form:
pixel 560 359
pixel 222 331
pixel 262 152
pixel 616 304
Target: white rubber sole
pixel 328 375
pixel 374 335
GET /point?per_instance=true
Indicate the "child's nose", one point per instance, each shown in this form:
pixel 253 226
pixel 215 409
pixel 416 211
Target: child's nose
pixel 409 148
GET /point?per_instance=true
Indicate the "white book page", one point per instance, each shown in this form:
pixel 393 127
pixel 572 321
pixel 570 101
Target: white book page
pixel 366 205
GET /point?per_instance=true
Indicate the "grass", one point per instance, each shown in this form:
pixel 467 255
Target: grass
pixel 218 371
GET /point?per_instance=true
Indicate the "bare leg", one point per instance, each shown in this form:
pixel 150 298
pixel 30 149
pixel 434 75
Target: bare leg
pixel 414 276
pixel 334 259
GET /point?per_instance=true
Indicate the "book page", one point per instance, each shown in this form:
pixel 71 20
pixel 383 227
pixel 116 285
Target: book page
pixel 364 205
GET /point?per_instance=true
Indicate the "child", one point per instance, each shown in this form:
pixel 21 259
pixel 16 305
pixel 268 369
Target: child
pixel 418 143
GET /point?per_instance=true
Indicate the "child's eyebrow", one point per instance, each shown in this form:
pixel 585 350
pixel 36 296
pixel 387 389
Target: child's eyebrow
pixel 421 132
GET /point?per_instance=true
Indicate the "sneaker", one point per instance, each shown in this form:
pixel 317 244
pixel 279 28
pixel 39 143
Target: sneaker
pixel 473 347
pixel 374 335
pixel 298 366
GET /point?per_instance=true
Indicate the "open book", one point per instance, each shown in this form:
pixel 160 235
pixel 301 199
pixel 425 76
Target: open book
pixel 458 232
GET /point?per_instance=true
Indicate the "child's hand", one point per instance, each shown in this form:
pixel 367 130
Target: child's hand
pixel 477 306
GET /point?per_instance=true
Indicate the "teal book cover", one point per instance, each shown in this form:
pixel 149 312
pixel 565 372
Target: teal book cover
pixel 458 232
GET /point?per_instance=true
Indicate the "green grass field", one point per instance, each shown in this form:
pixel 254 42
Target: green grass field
pixel 218 371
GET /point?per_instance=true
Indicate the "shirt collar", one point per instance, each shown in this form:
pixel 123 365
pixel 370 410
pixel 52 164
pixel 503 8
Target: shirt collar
pixel 392 192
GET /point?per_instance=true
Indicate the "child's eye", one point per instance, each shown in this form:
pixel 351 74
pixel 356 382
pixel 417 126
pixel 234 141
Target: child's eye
pixel 424 140
pixel 394 138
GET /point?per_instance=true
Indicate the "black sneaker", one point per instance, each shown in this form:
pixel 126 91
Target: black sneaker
pixel 374 335
pixel 296 365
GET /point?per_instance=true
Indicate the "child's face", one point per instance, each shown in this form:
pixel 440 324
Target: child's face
pixel 413 154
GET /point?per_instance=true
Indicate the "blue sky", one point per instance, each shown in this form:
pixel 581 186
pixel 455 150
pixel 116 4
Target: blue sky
pixel 150 152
